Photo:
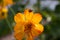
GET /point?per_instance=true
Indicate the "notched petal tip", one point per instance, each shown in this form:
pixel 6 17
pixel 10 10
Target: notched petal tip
pixel 39 27
pixel 19 17
pixel 38 14
pixel 37 18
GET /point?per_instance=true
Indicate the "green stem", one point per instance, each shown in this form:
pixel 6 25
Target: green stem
pixel 12 11
pixel 9 25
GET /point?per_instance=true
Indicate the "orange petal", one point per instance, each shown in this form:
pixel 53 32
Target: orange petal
pixel 28 14
pixel 7 2
pixel 38 29
pixel 36 18
pixel 19 35
pixel 19 27
pixel 19 18
pixel 29 37
pixel 19 31
pixel 5 10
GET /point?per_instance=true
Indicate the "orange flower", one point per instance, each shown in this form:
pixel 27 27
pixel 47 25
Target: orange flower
pixel 27 25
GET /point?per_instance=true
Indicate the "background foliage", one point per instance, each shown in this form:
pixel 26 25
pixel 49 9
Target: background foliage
pixel 51 19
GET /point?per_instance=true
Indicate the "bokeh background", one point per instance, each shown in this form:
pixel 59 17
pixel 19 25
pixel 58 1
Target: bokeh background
pixel 49 9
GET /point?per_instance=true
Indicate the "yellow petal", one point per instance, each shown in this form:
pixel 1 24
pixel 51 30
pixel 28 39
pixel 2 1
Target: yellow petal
pixel 5 10
pixel 19 18
pixel 29 37
pixel 35 32
pixel 28 14
pixel 26 11
pixel 19 35
pixel 19 27
pixel 36 18
pixel 7 2
pixel 38 29
pixel 19 31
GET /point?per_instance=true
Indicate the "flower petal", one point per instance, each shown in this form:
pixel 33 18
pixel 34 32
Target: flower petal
pixel 28 14
pixel 38 29
pixel 36 18
pixel 5 10
pixel 19 31
pixel 19 18
pixel 7 2
pixel 19 35
pixel 29 37
pixel 19 27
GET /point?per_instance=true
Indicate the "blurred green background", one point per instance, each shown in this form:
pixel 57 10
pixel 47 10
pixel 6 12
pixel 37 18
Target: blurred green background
pixel 50 11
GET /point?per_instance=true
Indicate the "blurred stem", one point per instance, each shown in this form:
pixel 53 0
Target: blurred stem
pixel 9 25
pixel 12 11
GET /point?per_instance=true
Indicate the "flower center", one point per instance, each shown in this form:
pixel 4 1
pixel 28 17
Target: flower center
pixel 28 27
pixel 2 14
